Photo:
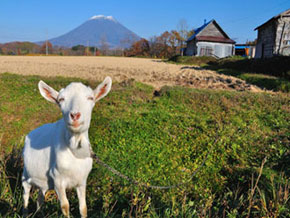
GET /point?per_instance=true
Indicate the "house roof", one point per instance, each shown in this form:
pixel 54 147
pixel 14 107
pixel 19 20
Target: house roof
pixel 283 14
pixel 214 39
pixel 197 31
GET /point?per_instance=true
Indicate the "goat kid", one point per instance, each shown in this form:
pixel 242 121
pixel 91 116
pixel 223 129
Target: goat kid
pixel 57 155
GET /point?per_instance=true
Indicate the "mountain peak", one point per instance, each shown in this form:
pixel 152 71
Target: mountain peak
pixel 98 31
pixel 95 17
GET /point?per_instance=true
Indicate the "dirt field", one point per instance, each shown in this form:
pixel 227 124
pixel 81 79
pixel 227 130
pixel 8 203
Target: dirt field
pixel 153 72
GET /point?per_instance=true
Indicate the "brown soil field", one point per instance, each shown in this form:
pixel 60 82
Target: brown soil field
pixel 150 71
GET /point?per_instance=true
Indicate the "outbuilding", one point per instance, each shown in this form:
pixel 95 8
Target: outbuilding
pixel 210 40
pixel 245 50
pixel 274 36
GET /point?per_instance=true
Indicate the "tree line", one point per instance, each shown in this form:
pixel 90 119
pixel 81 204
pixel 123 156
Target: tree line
pixel 46 48
pixel 166 45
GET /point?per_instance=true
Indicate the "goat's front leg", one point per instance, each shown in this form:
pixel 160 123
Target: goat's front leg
pixel 26 192
pixel 60 190
pixel 81 191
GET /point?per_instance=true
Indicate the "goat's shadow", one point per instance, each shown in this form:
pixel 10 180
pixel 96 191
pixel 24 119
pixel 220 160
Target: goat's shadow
pixel 5 208
pixel 13 165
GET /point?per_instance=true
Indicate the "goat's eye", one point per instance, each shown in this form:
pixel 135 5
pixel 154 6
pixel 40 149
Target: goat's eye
pixel 60 100
pixel 90 98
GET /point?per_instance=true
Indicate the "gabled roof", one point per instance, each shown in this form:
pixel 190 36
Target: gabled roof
pixel 197 31
pixel 283 14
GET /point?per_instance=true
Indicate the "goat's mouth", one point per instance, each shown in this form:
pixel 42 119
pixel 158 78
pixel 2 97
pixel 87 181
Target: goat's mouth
pixel 75 124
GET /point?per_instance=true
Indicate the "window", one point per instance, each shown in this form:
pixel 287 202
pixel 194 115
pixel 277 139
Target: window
pixel 206 51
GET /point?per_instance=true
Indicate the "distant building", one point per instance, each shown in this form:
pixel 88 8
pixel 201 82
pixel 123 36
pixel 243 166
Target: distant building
pixel 274 36
pixel 210 40
pixel 245 50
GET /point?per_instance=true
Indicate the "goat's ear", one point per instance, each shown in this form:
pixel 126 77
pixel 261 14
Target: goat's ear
pixel 103 89
pixel 47 92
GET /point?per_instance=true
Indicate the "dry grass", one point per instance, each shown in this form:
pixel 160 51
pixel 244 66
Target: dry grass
pixel 149 71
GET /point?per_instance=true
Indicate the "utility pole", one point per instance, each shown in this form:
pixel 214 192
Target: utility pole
pixel 87 49
pixel 46 44
pixel 46 47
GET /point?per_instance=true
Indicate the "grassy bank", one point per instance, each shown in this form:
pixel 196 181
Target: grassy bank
pixel 161 139
pixel 271 74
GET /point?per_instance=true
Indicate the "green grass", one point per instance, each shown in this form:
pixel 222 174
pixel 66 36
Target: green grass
pixel 161 141
pixel 263 81
pixel 192 60
pixel 271 74
pixel 267 82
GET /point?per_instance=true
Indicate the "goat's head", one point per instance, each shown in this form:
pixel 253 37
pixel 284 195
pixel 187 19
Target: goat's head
pixel 76 102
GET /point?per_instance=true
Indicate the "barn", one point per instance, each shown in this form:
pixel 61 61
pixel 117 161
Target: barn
pixel 210 40
pixel 274 36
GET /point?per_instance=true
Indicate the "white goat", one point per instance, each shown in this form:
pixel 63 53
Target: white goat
pixel 57 155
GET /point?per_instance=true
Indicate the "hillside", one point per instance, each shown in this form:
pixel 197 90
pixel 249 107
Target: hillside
pixel 18 48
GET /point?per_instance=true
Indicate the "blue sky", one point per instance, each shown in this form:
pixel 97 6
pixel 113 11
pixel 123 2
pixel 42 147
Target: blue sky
pixel 35 20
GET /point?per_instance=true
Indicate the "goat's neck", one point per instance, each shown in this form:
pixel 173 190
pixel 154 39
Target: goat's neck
pixel 78 143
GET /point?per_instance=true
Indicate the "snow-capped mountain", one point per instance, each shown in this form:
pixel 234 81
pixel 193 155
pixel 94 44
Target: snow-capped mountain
pixel 98 31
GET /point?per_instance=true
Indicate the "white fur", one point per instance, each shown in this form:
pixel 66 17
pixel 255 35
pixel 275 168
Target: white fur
pixel 57 155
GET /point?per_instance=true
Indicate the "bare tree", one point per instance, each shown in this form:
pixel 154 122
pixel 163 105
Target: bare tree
pixel 104 45
pixel 182 28
pixel 128 41
pixel 125 43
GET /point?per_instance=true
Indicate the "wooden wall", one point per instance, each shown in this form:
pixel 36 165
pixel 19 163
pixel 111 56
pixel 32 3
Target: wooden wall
pixel 211 30
pixel 283 37
pixel 266 40
pixel 273 38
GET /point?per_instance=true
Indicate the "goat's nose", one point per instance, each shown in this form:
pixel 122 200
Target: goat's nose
pixel 75 116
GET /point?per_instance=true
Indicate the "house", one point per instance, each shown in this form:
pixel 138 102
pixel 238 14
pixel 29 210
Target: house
pixel 210 40
pixel 274 36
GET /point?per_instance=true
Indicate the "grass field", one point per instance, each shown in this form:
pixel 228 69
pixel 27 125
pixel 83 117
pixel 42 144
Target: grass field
pixel 160 138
